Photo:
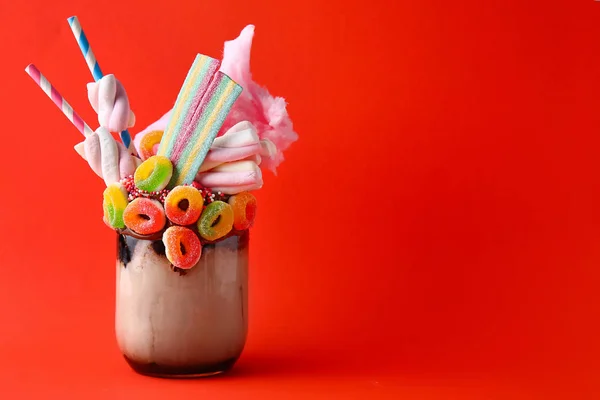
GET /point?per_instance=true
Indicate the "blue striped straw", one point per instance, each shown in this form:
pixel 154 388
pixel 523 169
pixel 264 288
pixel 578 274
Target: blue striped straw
pixel 94 67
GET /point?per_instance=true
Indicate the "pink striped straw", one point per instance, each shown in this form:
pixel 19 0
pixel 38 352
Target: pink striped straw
pixel 60 102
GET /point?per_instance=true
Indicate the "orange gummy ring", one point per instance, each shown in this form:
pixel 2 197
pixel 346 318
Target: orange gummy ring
pixel 148 142
pixel 244 210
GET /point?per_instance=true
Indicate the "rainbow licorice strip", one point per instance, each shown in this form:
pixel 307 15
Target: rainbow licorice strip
pixel 207 121
pixel 190 95
pixel 202 105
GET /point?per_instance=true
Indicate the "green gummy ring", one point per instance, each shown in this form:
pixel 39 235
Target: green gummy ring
pixel 115 219
pixel 114 203
pixel 206 224
pixel 153 174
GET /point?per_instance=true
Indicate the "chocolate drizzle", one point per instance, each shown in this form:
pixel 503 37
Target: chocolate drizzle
pixel 125 248
pixel 127 240
pixel 180 271
pixel 159 247
pixel 158 235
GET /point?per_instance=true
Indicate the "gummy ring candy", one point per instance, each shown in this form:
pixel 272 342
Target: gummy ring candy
pixel 154 174
pixel 216 220
pixel 148 142
pixel 114 203
pixel 244 210
pixel 182 247
pixel 184 205
pixel 144 216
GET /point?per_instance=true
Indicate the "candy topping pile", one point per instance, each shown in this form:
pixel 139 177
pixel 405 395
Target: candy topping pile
pixel 191 209
pixel 185 179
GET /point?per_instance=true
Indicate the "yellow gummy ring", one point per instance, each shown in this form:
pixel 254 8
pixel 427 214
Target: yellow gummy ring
pixel 114 203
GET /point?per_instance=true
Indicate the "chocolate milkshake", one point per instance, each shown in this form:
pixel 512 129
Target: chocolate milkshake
pixel 180 197
pixel 186 323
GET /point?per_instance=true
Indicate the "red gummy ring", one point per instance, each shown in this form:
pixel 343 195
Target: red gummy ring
pixel 144 216
pixel 182 247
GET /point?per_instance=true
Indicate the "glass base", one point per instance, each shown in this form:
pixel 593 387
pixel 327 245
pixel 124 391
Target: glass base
pixel 181 372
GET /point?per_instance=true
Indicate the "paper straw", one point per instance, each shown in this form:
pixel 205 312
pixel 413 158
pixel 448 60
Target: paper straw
pixel 94 67
pixel 56 97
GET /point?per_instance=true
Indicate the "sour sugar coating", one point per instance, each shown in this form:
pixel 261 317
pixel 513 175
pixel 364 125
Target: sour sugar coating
pixel 114 204
pixel 244 210
pixel 193 144
pixel 149 142
pixel 216 220
pixel 189 99
pixel 144 216
pixel 154 174
pixel 184 205
pixel 182 247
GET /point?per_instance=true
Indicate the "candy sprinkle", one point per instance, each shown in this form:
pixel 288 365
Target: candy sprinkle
pixel 134 193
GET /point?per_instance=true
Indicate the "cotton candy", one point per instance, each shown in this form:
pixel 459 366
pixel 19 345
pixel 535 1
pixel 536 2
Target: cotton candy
pixel 267 113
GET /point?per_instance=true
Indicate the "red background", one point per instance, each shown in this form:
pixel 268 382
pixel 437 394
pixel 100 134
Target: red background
pixel 434 233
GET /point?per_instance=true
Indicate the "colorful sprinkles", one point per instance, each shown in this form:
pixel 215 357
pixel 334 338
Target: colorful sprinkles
pixel 134 192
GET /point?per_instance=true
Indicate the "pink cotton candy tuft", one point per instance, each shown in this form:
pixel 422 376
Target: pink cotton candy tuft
pixel 267 113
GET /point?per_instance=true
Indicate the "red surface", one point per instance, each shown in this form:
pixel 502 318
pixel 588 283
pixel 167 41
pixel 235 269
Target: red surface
pixel 434 234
